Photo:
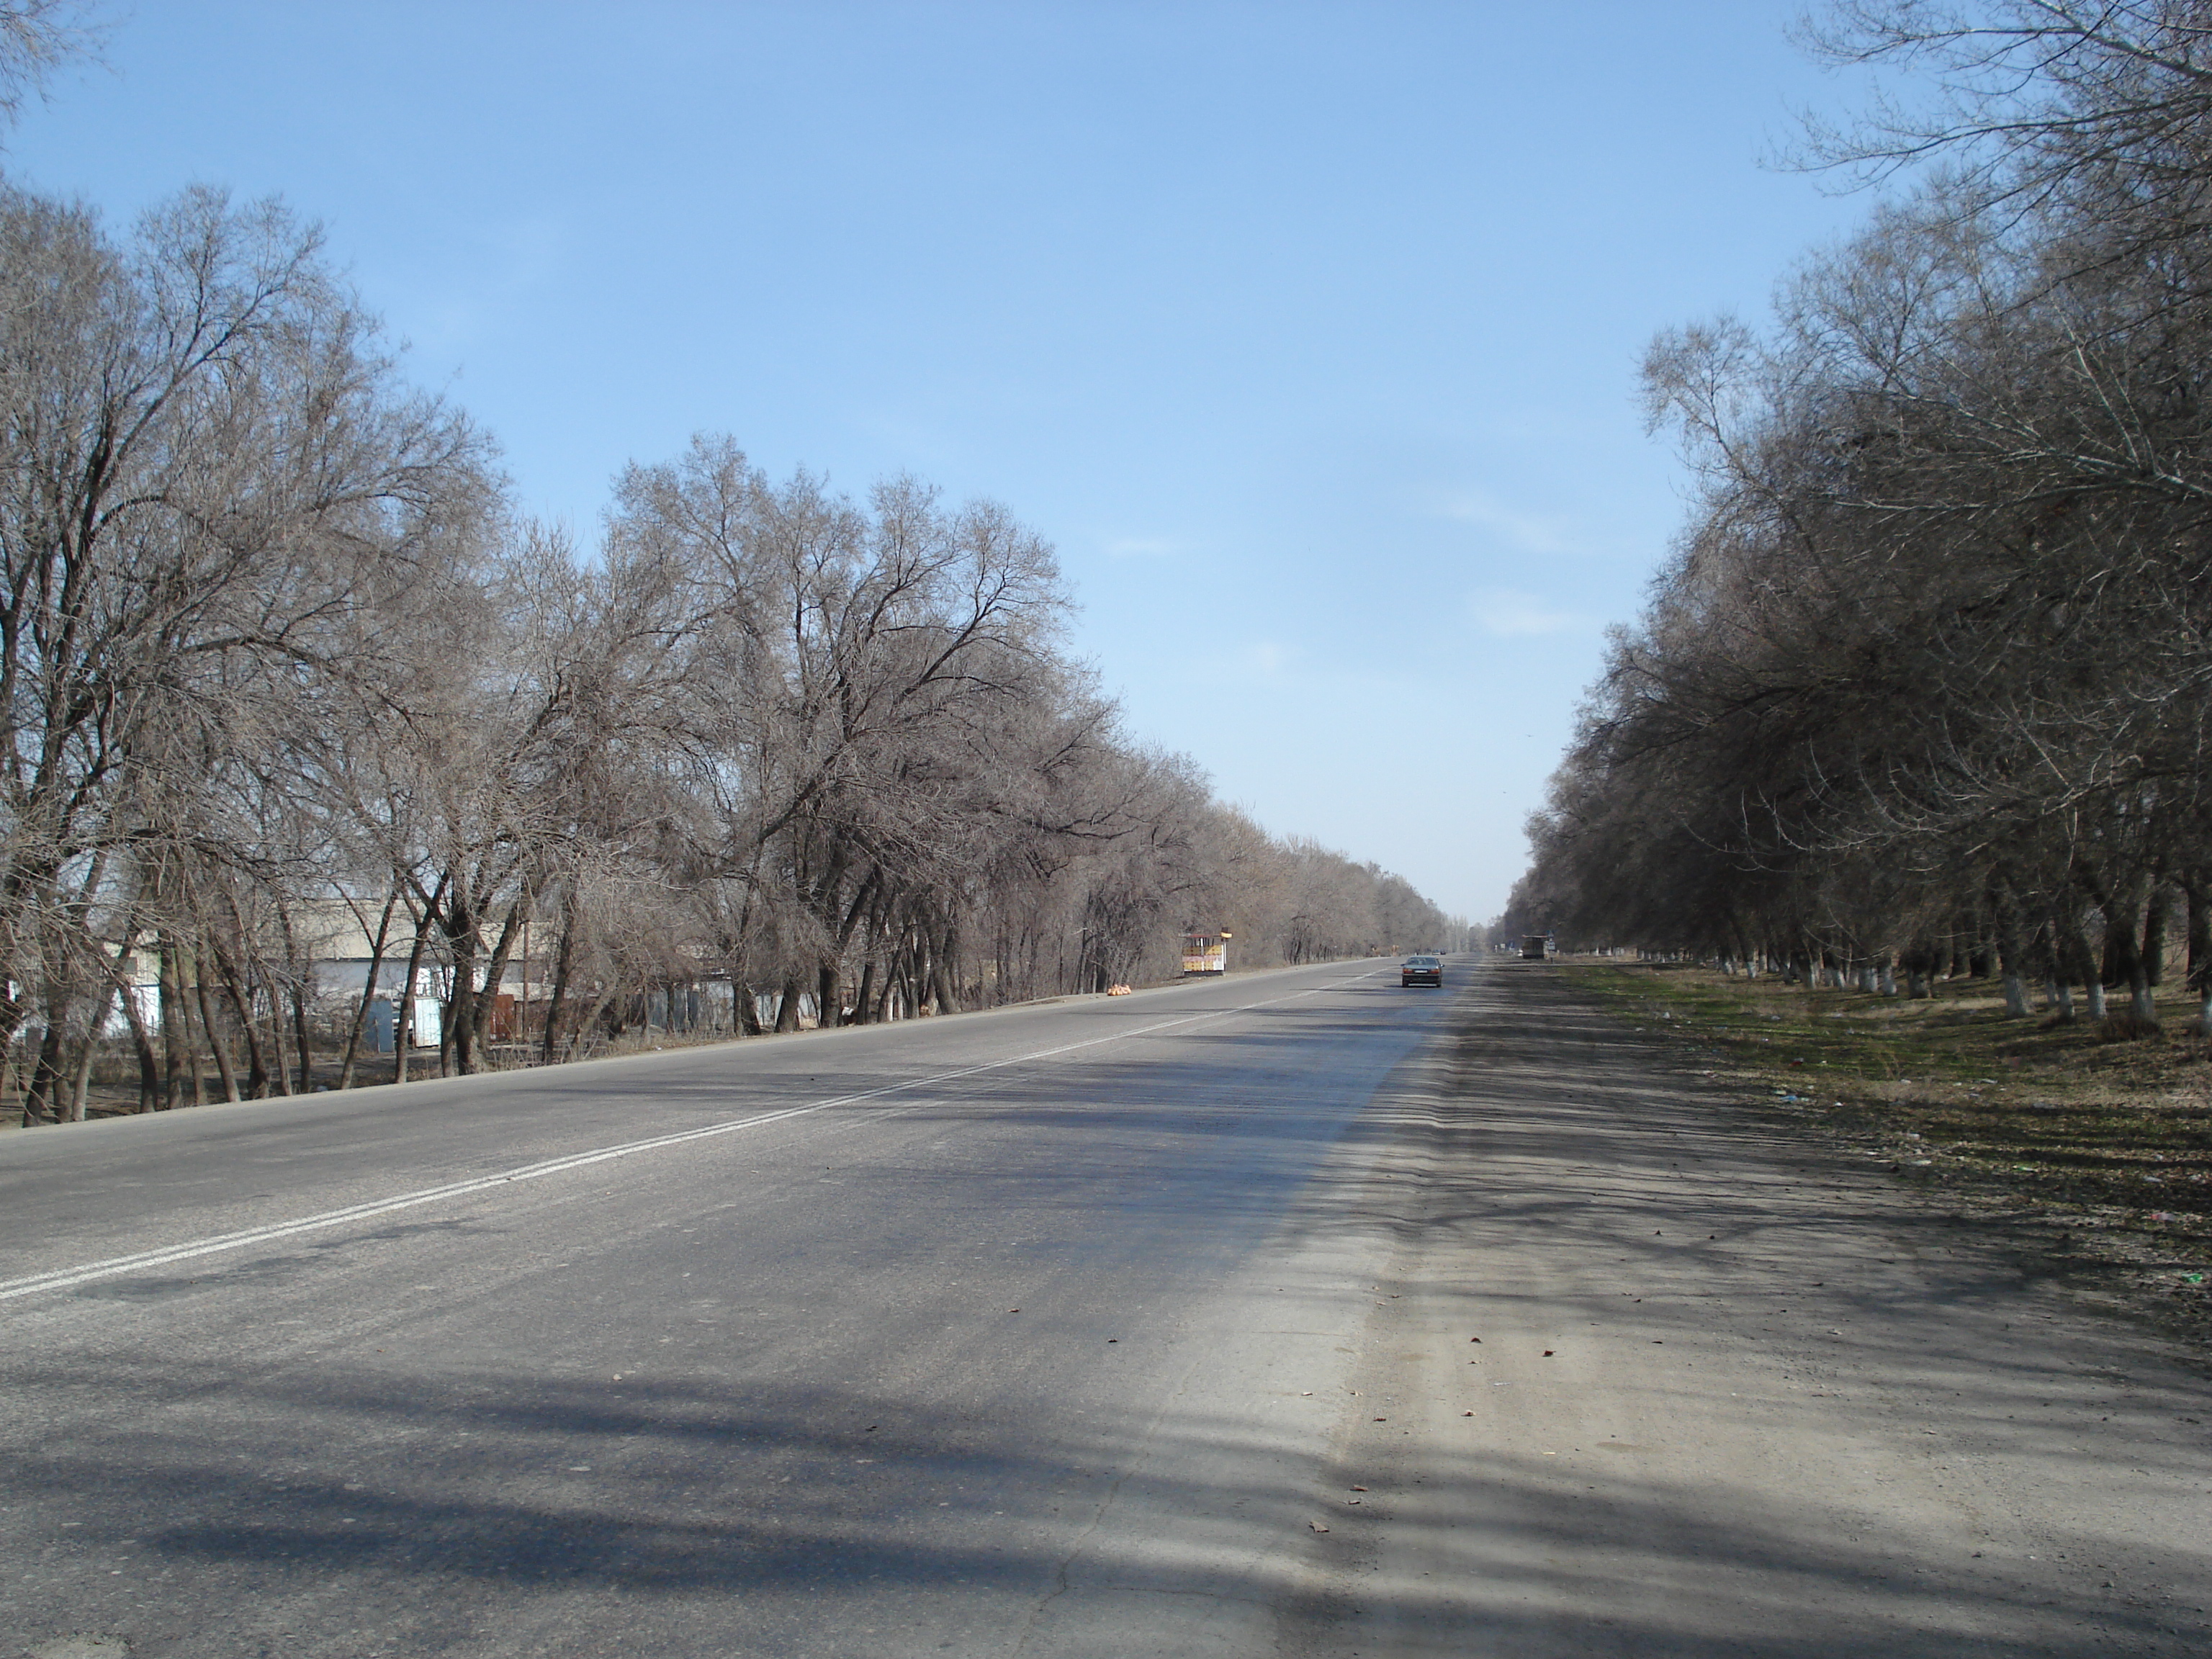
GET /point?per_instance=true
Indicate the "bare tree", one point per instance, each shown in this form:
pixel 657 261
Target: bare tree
pixel 37 37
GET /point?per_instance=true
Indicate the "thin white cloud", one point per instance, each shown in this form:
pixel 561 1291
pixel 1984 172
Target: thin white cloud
pixel 1141 547
pixel 1525 532
pixel 1507 613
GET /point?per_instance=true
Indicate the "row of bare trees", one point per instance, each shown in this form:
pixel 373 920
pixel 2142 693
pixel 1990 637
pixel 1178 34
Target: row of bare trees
pixel 1925 686
pixel 305 722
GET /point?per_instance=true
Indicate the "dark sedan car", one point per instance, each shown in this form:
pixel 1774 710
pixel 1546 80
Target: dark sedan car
pixel 1422 970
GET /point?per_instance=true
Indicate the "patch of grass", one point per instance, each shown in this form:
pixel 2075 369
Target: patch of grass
pixel 2099 1137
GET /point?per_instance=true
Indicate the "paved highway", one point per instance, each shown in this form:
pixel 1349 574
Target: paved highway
pixel 975 1336
pixel 1108 1327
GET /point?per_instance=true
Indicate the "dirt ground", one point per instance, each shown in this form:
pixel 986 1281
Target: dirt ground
pixel 1678 1356
pixel 2097 1152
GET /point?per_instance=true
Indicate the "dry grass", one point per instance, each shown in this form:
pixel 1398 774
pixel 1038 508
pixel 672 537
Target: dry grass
pixel 2096 1141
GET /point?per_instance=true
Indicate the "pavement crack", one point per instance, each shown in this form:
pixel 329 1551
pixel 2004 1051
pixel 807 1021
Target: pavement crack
pixel 1098 1515
pixel 1059 1570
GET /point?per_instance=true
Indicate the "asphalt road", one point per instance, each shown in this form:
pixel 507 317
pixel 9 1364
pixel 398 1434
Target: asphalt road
pixel 1106 1328
pixel 954 1335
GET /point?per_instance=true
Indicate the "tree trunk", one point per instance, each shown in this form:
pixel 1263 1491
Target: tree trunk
pixel 82 1083
pixel 149 1070
pixel 476 1003
pixel 13 1013
pixel 863 998
pixel 786 1010
pixel 367 992
pixel 45 1087
pixel 461 943
pixel 222 1050
pixel 403 1027
pixel 172 1011
pixel 195 1028
pixel 2200 953
pixel 746 996
pixel 280 1067
pixel 2009 951
pixel 829 999
pixel 241 1004
pixel 2124 951
pixel 2077 962
pixel 299 973
pixel 943 968
pixel 2088 965
pixel 562 959
pixel 2154 934
pixel 303 1049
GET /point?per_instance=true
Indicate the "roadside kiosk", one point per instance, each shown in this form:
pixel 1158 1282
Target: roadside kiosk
pixel 1205 953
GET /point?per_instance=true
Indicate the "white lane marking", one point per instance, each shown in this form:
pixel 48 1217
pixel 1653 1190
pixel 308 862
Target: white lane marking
pixel 63 1278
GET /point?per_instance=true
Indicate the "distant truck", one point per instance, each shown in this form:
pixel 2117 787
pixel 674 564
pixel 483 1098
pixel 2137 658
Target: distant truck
pixel 1535 947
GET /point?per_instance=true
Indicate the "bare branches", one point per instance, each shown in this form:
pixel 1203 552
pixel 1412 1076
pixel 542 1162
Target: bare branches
pixel 1931 654
pixel 312 748
pixel 38 37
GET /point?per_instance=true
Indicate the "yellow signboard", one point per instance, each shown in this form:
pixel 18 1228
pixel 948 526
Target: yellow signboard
pixel 1202 953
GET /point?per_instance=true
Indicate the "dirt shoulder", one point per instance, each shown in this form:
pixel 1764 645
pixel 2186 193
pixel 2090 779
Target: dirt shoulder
pixel 1657 1368
pixel 2096 1155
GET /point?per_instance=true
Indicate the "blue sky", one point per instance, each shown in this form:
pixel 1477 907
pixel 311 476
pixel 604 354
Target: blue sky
pixel 1307 332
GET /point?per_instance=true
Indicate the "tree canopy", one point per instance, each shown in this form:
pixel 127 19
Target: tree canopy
pixel 1923 681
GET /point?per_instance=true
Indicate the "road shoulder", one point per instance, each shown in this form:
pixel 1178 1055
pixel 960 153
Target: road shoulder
pixel 1730 1395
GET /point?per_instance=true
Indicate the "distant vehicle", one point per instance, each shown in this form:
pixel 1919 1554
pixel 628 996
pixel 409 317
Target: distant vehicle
pixel 1536 947
pixel 1422 970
